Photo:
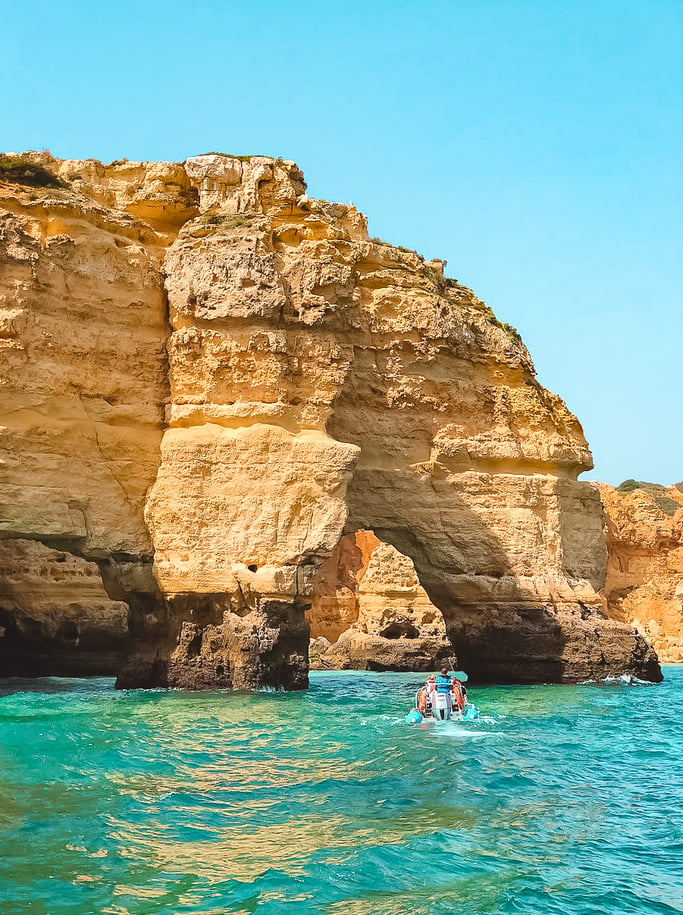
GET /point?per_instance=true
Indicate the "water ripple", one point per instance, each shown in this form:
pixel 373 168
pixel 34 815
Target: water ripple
pixel 558 800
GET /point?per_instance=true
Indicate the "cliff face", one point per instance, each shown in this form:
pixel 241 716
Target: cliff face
pixel 644 586
pixel 208 378
pixel 83 381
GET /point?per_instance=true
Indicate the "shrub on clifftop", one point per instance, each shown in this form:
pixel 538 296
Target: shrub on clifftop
pixel 664 503
pixel 24 170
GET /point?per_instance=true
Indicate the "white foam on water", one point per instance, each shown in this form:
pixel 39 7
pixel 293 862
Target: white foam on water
pixel 457 732
pixel 455 729
pixel 626 680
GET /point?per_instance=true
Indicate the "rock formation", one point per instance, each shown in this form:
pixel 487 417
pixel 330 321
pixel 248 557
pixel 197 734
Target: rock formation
pixel 369 611
pixel 56 615
pixel 644 586
pixel 83 381
pixel 207 378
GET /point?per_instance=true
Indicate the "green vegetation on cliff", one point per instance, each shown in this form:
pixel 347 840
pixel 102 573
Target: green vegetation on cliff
pixel 24 170
pixel 658 492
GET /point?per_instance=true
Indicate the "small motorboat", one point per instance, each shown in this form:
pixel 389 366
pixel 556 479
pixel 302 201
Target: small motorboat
pixel 435 706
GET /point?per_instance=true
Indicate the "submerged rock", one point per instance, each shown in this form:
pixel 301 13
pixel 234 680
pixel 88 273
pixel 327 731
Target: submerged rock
pixel 208 377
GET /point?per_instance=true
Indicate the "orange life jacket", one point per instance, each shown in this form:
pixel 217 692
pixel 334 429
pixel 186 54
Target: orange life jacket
pixel 422 699
pixel 457 695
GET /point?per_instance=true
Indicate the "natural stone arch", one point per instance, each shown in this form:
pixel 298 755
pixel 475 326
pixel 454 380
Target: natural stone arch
pixel 506 542
pixel 328 380
pixel 316 378
pixel 369 611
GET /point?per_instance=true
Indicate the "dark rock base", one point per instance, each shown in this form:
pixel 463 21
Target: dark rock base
pixel 209 645
pixel 549 645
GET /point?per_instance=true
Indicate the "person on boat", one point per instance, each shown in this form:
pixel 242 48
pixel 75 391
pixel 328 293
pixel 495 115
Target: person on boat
pixel 424 697
pixel 459 695
pixel 442 687
pixel 421 701
pixel 442 681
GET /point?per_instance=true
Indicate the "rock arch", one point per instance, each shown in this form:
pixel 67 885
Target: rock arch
pixel 326 382
pixel 475 481
pixel 369 611
pixel 264 379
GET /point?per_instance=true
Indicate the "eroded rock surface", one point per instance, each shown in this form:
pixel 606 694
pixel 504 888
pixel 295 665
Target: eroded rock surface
pixel 203 368
pixel 372 613
pixel 83 381
pixel 644 587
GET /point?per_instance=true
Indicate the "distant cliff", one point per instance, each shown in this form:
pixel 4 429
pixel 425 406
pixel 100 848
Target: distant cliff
pixel 644 586
pixel 208 378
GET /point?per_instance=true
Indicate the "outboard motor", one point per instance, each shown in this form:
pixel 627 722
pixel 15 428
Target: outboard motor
pixel 441 708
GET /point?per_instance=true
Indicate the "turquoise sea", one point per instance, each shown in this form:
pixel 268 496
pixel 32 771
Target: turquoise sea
pixel 561 799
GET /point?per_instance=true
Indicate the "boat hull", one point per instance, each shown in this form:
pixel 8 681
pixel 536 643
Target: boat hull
pixel 470 713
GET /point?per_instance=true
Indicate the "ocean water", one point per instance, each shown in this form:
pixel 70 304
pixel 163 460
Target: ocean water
pixel 558 800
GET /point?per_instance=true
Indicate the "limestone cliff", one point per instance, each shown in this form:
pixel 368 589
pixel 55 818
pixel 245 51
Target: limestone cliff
pixel 644 586
pixel 207 378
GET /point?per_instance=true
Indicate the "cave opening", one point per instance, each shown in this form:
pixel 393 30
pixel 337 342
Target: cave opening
pixel 474 533
pixel 370 612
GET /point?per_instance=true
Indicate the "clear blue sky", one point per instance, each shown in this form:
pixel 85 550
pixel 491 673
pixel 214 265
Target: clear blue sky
pixel 534 144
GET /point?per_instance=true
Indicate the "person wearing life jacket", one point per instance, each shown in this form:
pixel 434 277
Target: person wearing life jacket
pixel 430 688
pixel 458 694
pixel 421 701
pixel 442 687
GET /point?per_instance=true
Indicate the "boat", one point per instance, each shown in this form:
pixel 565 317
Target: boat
pixel 441 706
